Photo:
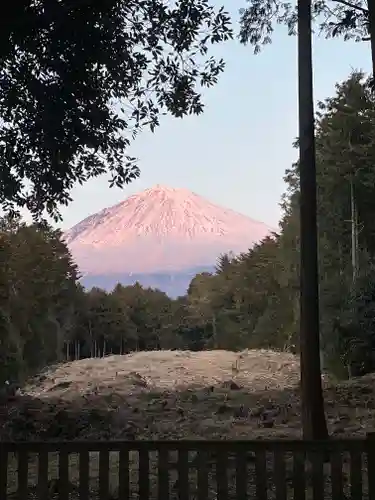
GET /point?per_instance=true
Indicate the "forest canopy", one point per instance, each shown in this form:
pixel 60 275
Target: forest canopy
pixel 252 300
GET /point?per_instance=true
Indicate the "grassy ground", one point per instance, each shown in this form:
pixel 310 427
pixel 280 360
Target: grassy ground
pixel 175 395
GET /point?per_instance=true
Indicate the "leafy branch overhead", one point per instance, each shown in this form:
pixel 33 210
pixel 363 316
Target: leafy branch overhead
pixel 79 80
pixel 349 19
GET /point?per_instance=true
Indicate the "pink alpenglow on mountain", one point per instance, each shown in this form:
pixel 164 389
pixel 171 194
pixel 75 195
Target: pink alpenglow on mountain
pixel 160 230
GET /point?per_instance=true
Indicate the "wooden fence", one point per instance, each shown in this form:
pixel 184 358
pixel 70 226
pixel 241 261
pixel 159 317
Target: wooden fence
pixel 201 470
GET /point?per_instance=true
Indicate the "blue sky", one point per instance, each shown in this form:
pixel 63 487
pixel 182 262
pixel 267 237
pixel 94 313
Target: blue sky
pixel 236 153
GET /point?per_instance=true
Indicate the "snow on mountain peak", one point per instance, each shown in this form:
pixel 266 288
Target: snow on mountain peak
pixel 160 228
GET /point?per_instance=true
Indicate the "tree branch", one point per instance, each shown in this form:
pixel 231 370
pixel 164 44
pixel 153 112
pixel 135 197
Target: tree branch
pixel 351 5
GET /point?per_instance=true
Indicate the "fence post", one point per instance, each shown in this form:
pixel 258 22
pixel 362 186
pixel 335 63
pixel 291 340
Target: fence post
pixel 370 445
pixel 3 471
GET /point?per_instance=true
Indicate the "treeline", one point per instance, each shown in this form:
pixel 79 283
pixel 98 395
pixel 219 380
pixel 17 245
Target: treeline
pixel 255 297
pixel 251 301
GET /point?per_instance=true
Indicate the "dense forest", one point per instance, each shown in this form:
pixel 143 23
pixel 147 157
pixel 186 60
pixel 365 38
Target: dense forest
pixel 251 301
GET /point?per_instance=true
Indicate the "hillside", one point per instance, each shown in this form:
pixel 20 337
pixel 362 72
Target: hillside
pixel 160 230
pixel 173 284
pixel 179 394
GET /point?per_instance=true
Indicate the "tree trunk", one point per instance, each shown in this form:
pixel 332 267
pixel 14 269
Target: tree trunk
pixel 313 417
pixel 355 269
pixel 92 352
pixel 354 224
pixel 371 30
pixel 214 331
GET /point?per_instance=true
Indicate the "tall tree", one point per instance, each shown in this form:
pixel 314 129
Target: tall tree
pixel 313 417
pixel 256 28
pixel 78 80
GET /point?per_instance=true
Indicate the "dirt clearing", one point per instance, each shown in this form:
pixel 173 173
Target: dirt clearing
pixel 179 395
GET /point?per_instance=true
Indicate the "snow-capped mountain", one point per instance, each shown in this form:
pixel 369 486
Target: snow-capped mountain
pixel 160 231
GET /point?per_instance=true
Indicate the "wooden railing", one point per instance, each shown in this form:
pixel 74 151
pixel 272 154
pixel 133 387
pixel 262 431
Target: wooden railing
pixel 202 470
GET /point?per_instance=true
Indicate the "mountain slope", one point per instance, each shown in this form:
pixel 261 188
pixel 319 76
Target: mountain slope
pixel 161 230
pixel 173 283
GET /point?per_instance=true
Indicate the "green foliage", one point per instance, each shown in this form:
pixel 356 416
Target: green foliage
pixel 47 317
pixel 254 298
pixel 351 20
pixel 79 80
pixel 251 301
pixel 37 292
pixel 333 18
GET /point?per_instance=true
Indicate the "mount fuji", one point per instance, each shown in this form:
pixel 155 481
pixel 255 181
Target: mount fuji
pixel 160 237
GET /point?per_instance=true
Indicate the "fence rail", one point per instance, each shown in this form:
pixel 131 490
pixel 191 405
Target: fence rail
pixel 201 470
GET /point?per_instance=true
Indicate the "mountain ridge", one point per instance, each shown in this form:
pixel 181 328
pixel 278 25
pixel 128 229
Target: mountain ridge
pixel 160 230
